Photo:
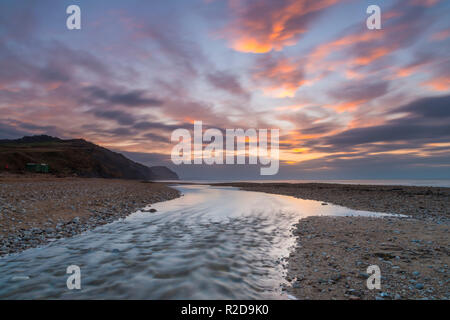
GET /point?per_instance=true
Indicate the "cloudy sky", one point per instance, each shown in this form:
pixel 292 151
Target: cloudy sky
pixel 351 103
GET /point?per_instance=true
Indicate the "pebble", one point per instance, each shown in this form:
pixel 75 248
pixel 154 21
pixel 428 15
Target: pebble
pixel 363 275
pixel 419 286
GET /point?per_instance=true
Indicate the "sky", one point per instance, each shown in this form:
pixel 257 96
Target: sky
pixel 350 103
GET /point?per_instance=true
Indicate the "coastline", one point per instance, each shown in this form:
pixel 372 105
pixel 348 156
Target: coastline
pixel 37 209
pixel 332 253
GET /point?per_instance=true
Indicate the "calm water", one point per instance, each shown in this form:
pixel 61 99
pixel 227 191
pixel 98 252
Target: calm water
pixel 391 182
pixel 212 243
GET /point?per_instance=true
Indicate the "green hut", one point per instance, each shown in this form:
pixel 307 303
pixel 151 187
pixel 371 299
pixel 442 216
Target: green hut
pixel 37 167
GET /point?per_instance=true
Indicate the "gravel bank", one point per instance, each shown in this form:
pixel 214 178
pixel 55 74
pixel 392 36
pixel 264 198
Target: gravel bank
pixel 332 254
pixel 36 210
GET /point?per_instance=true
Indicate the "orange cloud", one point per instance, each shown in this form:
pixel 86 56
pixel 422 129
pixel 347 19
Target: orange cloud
pixel 317 63
pixel 351 74
pixel 406 71
pixel 251 45
pixel 54 85
pixel 322 51
pixel 347 106
pixel 280 77
pixel 372 56
pixel 438 84
pixel 262 26
pixel 420 62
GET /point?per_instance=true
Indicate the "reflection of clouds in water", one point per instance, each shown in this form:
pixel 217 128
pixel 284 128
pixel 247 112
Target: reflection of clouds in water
pixel 212 243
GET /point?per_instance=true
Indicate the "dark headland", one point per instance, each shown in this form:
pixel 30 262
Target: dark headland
pixel 84 186
pixel 75 157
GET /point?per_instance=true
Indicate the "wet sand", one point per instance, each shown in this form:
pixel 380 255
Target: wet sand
pixel 37 209
pixel 332 253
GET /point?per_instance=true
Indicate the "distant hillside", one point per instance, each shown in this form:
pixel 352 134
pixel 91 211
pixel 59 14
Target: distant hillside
pixel 75 157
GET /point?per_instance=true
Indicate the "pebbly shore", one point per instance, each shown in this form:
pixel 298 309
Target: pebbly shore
pixel 39 209
pixel 332 254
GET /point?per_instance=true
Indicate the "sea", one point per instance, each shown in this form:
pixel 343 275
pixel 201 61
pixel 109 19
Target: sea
pixel 443 183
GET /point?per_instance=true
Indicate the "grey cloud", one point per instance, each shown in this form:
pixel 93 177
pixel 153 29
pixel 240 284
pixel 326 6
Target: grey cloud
pixel 121 117
pixel 11 132
pixel 227 82
pixel 148 159
pixel 357 90
pixel 10 129
pixel 320 128
pixel 9 17
pixel 120 131
pixel 427 121
pixel 156 137
pixel 394 131
pixel 147 125
pixel 134 98
pixel 430 107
